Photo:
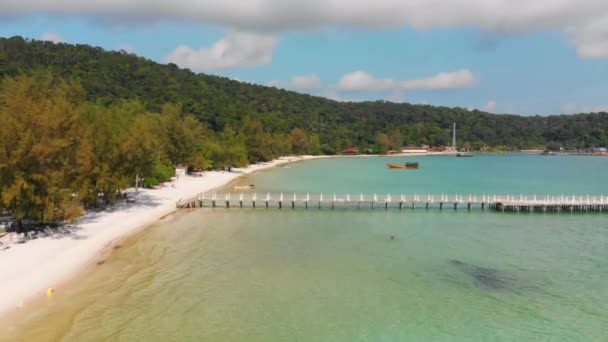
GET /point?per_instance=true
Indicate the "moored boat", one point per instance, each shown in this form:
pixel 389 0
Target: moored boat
pixel 245 187
pixel 460 155
pixel 403 166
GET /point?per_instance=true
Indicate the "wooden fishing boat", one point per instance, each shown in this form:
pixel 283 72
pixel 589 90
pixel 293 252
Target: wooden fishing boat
pixel 245 187
pixel 403 166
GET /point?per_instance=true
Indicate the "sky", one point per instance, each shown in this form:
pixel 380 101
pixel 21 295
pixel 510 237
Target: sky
pixel 521 57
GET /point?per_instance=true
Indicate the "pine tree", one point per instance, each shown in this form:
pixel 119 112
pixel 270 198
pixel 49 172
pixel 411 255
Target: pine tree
pixel 44 147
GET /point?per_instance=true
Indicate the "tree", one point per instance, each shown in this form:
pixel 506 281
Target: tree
pixel 314 145
pixel 106 129
pixel 299 141
pixel 43 147
pixel 382 143
pixel 144 147
pixel 226 150
pixel 185 136
pixel 395 140
pixel 478 145
pixel 258 141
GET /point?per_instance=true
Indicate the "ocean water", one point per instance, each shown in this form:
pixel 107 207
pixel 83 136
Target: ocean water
pixel 336 275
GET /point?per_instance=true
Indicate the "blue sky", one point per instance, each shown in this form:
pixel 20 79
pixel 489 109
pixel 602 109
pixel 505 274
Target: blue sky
pixel 522 71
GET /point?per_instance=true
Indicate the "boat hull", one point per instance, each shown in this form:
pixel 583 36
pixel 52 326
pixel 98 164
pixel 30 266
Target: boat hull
pixel 400 166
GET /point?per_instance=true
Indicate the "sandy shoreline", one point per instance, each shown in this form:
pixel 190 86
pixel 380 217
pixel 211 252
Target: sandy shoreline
pixel 28 270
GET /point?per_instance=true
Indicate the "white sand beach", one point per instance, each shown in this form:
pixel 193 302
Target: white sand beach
pixel 27 270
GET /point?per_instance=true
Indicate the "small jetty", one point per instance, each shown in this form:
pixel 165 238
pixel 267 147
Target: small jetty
pixel 499 203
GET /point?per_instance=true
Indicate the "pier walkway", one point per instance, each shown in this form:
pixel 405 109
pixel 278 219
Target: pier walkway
pixel 501 203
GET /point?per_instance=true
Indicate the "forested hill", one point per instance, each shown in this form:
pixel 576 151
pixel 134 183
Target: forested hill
pixel 110 76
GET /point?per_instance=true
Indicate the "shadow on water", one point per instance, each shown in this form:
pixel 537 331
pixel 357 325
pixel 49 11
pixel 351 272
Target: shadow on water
pixel 486 278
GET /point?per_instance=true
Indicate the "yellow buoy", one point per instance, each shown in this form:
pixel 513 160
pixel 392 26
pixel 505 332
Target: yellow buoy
pixel 50 291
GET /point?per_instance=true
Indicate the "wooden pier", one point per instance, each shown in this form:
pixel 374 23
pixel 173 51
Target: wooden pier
pixel 500 203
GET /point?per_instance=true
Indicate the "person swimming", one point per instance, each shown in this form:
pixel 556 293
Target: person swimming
pixel 392 237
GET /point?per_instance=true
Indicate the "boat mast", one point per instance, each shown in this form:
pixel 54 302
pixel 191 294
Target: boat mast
pixel 454 138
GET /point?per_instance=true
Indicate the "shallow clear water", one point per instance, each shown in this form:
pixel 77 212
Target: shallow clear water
pixel 270 275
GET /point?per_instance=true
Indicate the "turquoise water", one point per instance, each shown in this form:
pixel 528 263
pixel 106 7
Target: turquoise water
pixel 495 174
pixel 323 275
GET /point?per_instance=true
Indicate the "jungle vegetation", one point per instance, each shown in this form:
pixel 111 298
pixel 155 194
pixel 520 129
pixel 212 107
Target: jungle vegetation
pixel 79 123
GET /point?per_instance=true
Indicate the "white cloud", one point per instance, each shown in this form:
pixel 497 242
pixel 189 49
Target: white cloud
pixel 303 82
pixel 591 38
pixel 584 21
pixel 52 37
pixel 592 49
pixel 236 49
pixel 490 106
pixel 363 81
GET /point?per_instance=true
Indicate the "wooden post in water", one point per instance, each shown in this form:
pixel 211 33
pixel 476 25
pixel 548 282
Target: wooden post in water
pixel 281 201
pixel 253 198
pixel 241 200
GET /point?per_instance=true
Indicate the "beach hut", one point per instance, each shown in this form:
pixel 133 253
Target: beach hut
pixel 351 150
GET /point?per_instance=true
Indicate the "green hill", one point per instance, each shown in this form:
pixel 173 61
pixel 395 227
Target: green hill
pixel 110 76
